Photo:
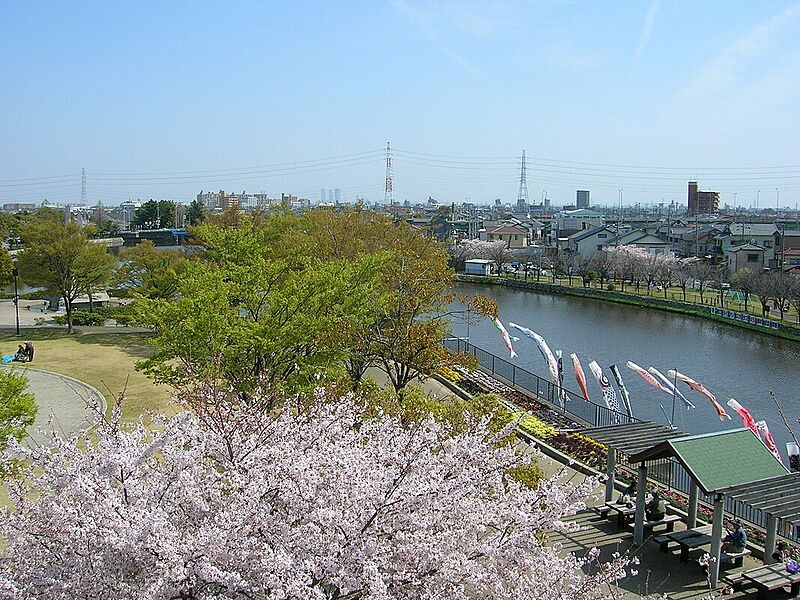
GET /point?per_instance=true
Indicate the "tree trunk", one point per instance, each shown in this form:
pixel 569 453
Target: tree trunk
pixel 68 304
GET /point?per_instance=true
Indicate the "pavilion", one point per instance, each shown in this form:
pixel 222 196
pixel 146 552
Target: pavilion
pixel 734 463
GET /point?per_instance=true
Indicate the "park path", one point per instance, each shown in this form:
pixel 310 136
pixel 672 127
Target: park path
pixel 62 401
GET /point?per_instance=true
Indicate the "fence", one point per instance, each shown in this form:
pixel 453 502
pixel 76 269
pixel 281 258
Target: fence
pixel 668 472
pixel 561 399
pixel 745 318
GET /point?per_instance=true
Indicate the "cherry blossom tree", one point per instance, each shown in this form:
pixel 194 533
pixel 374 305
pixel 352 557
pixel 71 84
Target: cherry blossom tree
pixel 494 250
pixel 319 503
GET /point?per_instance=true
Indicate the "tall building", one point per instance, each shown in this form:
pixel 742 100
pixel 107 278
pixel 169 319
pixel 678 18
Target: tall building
pixel 702 202
pixel 330 196
pixel 322 196
pixel 582 199
pixel 338 196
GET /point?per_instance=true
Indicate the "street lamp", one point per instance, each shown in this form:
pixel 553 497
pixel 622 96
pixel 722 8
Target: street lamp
pixel 15 272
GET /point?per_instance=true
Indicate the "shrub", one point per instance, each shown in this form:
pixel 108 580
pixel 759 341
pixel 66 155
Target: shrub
pixel 611 287
pixel 81 317
pixel 537 428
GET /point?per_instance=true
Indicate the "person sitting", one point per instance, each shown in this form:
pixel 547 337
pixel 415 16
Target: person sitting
pixel 628 493
pixel 21 355
pixel 736 541
pixel 655 509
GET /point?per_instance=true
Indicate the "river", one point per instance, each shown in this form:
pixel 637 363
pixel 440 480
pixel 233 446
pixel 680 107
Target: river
pixel 731 362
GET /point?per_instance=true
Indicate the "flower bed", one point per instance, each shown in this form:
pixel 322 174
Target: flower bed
pixel 542 422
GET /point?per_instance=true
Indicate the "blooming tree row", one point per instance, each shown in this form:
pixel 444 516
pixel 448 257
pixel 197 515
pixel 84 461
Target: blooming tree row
pixel 318 503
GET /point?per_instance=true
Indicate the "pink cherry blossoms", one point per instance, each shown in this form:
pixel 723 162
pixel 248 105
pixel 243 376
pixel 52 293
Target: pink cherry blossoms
pixel 319 505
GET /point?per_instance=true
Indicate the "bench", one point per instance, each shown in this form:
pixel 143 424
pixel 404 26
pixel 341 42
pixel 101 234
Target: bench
pixel 735 558
pixel 734 580
pixel 663 541
pixel 668 520
pixel 602 510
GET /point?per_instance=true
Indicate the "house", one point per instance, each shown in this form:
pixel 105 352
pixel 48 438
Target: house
pixel 568 222
pixel 478 266
pixel 587 243
pixel 751 256
pixel 737 234
pixel 787 244
pixel 691 240
pixel 639 238
pixel 791 257
pixel 515 236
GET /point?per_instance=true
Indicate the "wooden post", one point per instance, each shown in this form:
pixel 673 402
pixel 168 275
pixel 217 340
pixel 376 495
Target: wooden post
pixel 769 544
pixel 611 465
pixel 641 492
pixel 716 541
pixel 691 521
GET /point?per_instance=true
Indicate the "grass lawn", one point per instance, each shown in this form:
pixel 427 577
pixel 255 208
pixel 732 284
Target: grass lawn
pixel 103 360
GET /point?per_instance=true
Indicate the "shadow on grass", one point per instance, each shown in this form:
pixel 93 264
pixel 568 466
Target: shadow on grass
pixel 132 343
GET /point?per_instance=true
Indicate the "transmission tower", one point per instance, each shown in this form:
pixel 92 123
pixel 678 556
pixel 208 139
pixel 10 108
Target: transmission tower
pixel 522 197
pixel 83 187
pixel 388 193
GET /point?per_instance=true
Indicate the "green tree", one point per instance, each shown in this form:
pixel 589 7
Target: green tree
pixel 411 314
pixel 149 272
pixel 6 267
pixel 247 317
pixel 17 408
pixel 60 258
pixel 155 214
pixel 196 213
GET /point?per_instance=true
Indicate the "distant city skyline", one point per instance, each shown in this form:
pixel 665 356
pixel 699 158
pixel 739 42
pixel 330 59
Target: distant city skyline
pixel 627 101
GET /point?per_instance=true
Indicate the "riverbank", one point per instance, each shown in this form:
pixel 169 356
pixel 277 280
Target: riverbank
pixel 749 322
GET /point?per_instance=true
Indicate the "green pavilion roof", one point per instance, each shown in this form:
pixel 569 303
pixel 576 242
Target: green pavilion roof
pixel 719 460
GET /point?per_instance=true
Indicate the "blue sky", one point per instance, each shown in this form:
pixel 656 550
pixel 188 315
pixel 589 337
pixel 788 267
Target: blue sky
pixel 165 99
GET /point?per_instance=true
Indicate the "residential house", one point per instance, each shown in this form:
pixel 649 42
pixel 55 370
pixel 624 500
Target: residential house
pixel 568 222
pixel 587 243
pixel 786 242
pixel 751 256
pixel 737 234
pixel 515 236
pixel 639 238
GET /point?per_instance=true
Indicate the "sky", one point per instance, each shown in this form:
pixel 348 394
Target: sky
pixel 629 100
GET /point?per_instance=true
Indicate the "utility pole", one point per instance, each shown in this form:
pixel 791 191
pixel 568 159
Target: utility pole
pixel 15 273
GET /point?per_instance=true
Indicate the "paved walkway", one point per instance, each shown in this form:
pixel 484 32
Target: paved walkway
pixel 62 401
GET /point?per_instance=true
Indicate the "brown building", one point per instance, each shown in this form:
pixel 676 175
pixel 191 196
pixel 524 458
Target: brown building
pixel 702 203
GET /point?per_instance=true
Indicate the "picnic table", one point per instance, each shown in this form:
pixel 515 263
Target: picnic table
pixel 772 577
pixel 624 512
pixel 679 536
pixel 692 542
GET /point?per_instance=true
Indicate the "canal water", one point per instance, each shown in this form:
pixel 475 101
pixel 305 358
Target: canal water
pixel 731 362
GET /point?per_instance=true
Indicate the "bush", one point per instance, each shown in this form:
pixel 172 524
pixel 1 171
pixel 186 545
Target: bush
pixel 82 317
pixel 611 287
